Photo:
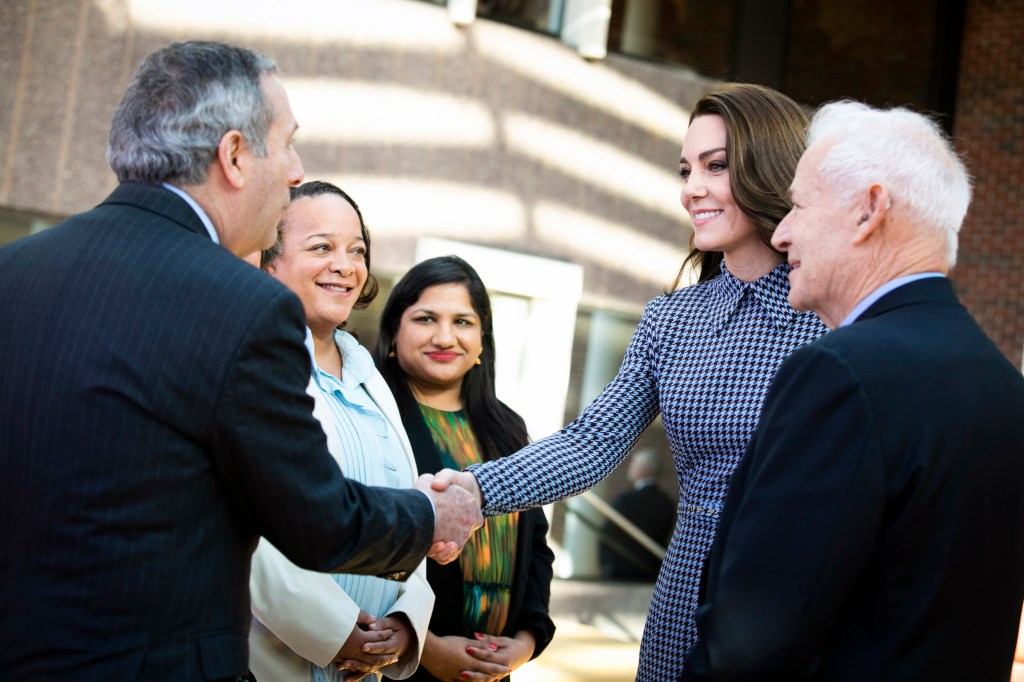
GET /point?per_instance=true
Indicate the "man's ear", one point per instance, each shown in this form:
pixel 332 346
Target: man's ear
pixel 230 151
pixel 873 209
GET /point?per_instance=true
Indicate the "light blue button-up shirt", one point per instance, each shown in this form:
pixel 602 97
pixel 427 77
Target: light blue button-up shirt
pixel 371 453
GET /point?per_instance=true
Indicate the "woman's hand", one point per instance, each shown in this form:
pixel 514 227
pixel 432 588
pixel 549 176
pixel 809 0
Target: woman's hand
pixel 506 651
pixel 455 659
pixel 370 646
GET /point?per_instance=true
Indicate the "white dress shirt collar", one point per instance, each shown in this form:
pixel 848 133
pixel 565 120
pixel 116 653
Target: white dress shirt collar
pixel 198 209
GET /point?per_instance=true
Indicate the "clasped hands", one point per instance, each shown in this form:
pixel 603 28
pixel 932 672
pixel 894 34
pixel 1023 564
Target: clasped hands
pixel 457 502
pixel 484 659
pixel 373 644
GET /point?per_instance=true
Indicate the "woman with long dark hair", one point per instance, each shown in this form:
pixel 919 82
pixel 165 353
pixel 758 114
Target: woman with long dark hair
pixel 436 352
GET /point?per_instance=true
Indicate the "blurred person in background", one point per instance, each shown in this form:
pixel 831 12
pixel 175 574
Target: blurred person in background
pixel 647 507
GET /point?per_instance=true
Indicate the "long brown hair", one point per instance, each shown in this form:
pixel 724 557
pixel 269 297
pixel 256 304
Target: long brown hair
pixel 765 136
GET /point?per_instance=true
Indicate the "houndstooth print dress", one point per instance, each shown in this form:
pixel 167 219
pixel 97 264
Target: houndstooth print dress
pixel 703 356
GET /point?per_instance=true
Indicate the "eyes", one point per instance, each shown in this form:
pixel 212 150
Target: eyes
pixel 714 167
pixel 424 318
pixel 356 252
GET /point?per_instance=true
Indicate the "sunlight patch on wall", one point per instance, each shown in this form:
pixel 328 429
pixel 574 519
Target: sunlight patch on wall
pixel 334 111
pixel 397 24
pixel 612 245
pixel 416 206
pixel 596 162
pixel 561 69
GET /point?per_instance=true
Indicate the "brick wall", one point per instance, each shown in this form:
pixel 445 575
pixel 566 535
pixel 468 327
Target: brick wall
pixel 990 133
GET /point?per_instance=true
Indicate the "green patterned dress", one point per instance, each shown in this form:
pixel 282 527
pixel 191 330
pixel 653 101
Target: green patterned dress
pixel 488 558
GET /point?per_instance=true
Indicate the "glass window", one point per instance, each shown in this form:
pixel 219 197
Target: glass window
pixel 693 33
pixel 537 15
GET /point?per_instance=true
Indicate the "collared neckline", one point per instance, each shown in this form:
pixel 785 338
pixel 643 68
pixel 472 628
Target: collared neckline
pixel 356 361
pixel 771 291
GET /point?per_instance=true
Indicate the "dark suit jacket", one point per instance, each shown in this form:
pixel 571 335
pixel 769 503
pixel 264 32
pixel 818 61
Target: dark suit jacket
pixel 653 512
pixel 875 527
pixel 532 573
pixel 154 423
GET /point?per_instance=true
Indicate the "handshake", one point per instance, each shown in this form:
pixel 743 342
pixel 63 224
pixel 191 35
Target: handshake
pixel 457 501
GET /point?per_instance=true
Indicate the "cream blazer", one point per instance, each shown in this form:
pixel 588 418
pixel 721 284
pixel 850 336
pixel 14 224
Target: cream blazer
pixel 301 616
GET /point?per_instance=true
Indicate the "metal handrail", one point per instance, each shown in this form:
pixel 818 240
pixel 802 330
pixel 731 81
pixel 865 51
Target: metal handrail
pixel 625 524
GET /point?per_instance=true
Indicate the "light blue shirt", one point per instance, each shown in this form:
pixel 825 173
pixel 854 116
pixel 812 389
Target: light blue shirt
pixel 371 453
pixel 881 291
pixel 198 209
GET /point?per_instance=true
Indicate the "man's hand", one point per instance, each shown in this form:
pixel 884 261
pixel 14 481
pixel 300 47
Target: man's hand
pixel 456 516
pixel 448 477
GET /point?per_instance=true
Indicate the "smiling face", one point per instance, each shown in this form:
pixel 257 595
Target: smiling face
pixel 439 339
pixel 323 259
pixel 718 222
pixel 818 246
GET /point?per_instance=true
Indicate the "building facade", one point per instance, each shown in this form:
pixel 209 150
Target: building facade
pixel 537 138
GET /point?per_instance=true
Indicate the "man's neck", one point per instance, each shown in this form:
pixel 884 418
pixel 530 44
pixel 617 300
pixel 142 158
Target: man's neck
pixel 887 263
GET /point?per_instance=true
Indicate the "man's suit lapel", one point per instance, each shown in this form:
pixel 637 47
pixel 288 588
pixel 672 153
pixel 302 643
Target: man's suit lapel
pixel 159 200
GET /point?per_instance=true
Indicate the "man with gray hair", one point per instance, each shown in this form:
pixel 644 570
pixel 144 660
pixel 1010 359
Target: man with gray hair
pixel 874 529
pixel 154 417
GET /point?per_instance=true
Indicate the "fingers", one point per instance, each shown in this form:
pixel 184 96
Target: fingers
pixel 458 516
pixel 371 664
pixel 386 644
pixel 447 477
pixel 489 653
pixel 483 670
pixel 444 552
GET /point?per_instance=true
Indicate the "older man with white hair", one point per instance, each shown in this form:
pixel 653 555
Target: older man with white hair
pixel 875 527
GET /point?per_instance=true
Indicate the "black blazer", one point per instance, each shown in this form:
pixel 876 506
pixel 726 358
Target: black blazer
pixel 154 423
pixel 531 582
pixel 874 529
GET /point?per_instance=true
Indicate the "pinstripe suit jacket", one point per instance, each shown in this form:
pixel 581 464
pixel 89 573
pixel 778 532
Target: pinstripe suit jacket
pixel 154 424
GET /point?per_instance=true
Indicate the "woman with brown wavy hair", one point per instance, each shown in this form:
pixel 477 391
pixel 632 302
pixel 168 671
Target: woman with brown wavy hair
pixel 703 355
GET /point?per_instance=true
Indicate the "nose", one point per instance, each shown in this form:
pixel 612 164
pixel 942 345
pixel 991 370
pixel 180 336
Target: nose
pixel 781 238
pixel 693 187
pixel 443 335
pixel 295 170
pixel 341 263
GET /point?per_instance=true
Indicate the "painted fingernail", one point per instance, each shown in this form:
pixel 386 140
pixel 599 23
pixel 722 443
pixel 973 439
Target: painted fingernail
pixel 492 646
pixel 478 635
pixel 464 676
pixel 469 650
